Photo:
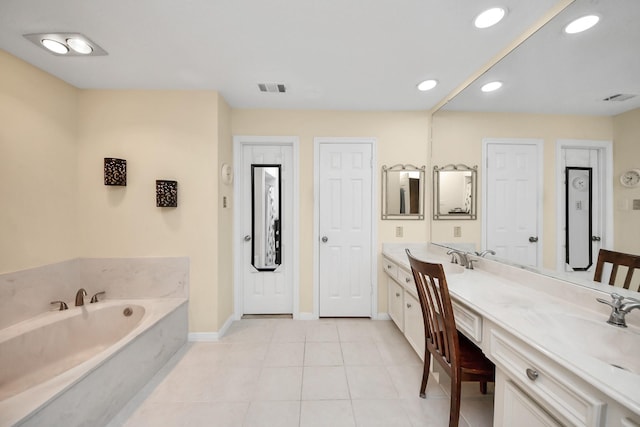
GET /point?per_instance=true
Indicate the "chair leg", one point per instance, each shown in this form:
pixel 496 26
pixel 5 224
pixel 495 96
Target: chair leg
pixel 483 387
pixel 425 374
pixel 454 411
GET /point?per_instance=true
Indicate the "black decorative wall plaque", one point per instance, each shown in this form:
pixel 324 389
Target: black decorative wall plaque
pixel 115 171
pixel 166 193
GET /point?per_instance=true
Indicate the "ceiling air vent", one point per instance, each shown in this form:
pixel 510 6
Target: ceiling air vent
pixel 619 97
pixel 272 87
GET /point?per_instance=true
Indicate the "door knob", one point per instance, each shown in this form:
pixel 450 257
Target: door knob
pixel 247 238
pixel 325 239
pixel 595 238
pixel 533 239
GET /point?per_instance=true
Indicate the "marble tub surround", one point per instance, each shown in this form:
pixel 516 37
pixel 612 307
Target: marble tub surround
pixel 559 320
pixel 27 293
pixel 94 389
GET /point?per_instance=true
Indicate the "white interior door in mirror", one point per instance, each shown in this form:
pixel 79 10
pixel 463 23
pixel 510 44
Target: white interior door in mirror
pixel 512 195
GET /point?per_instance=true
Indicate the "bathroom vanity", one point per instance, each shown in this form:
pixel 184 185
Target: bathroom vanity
pixel 558 363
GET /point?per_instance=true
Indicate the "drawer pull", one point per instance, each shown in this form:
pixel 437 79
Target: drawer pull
pixel 532 374
pixel 389 266
pixel 407 279
pixel 397 294
pixel 408 305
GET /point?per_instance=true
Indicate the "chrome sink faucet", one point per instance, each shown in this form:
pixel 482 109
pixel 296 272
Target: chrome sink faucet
pixel 485 252
pixel 620 306
pixel 80 297
pixel 458 257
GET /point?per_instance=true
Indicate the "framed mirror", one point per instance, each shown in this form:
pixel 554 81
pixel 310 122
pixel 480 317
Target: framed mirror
pixel 266 217
pixel 455 192
pixel 403 192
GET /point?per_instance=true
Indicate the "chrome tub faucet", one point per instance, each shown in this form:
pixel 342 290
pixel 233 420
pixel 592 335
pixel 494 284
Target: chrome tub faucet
pixel 620 306
pixel 80 297
pixel 94 298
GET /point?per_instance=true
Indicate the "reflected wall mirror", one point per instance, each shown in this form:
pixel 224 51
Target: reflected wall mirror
pixel 266 217
pixel 403 192
pixel 455 192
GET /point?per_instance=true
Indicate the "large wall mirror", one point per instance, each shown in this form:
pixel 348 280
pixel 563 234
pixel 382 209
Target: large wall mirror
pixel 454 192
pixel 266 217
pixel 556 88
pixel 403 192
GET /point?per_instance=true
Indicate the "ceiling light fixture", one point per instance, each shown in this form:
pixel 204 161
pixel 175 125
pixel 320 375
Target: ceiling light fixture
pixel 79 45
pixel 489 17
pixel 55 46
pixel 66 44
pixel 427 85
pixel 490 87
pixel 581 24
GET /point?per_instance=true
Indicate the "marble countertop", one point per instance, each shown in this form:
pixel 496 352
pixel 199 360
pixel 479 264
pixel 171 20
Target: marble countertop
pixel 572 334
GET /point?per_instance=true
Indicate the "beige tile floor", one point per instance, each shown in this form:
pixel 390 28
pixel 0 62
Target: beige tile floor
pixel 283 372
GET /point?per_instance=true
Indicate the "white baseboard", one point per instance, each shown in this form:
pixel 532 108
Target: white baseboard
pixel 306 316
pixel 211 336
pixel 382 316
pixel 203 337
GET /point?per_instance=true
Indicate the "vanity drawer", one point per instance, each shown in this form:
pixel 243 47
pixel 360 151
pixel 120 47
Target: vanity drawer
pixel 390 267
pixel 467 321
pixel 555 390
pixel 396 303
pixel 406 279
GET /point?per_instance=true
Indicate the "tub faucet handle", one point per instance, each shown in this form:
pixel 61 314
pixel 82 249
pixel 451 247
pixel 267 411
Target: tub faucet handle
pixel 80 297
pixel 95 297
pixel 63 305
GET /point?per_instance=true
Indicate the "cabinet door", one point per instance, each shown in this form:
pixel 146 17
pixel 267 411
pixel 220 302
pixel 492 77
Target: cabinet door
pixel 396 299
pixel 413 323
pixel 515 408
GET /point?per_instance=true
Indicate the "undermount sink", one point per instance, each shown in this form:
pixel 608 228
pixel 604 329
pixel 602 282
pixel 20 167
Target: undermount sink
pixel 617 347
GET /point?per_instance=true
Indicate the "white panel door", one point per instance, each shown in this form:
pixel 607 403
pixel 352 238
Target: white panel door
pixel 267 292
pixel 346 215
pixel 512 197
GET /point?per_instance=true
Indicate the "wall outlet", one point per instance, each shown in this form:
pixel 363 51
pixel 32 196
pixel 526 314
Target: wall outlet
pixel 636 204
pixel 399 231
pixel 457 231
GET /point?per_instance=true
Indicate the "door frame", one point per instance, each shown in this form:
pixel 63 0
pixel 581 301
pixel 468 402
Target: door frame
pixel 539 144
pixel 239 141
pixel 317 141
pixel 605 149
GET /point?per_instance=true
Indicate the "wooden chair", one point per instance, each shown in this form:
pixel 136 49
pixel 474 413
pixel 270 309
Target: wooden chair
pixel 458 356
pixel 617 259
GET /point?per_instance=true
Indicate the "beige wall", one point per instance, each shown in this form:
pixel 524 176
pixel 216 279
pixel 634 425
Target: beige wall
pixel 401 138
pixel 626 155
pixel 457 138
pixel 225 216
pixel 38 167
pixel 162 135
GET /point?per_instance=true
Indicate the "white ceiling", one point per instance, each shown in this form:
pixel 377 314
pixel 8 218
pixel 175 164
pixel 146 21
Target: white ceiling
pixel 331 54
pixel 557 73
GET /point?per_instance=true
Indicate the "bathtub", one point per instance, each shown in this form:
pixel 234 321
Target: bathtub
pixel 81 366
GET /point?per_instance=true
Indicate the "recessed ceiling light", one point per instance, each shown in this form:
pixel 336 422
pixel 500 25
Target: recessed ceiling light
pixel 427 85
pixel 490 87
pixel 54 46
pixel 67 44
pixel 489 17
pixel 79 45
pixel 581 24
